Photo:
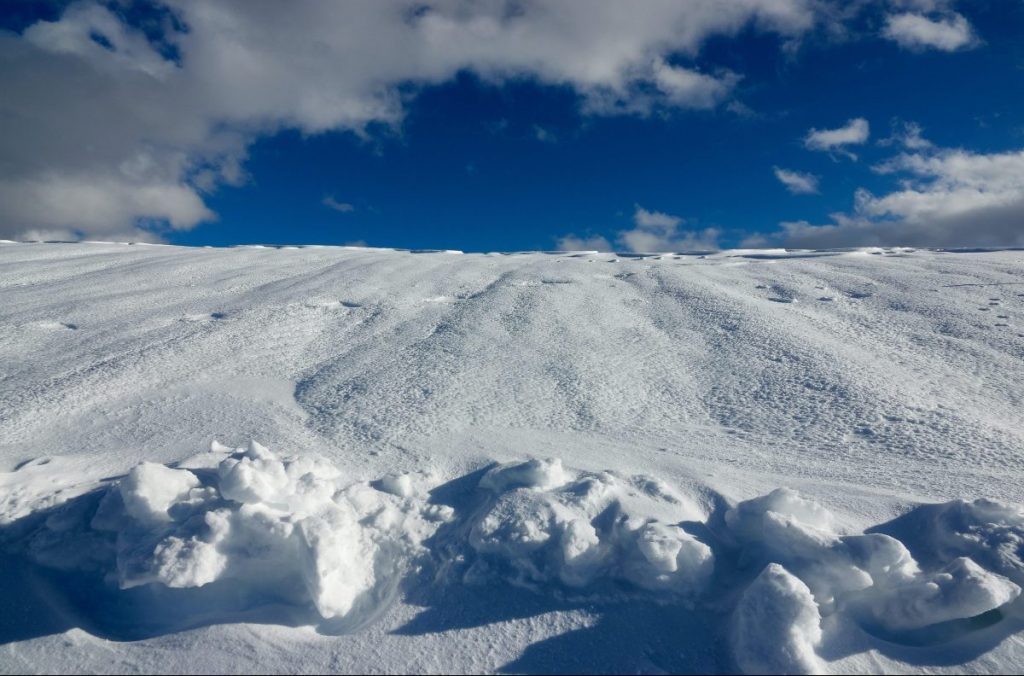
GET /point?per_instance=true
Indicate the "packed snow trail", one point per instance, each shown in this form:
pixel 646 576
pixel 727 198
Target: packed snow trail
pixel 869 381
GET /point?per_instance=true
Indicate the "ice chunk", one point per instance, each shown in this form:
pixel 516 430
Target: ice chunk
pixel 776 626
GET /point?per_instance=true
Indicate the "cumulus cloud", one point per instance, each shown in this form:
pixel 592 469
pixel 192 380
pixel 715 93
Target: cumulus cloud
pixel 155 122
pixel 653 232
pixel 331 203
pixel 945 197
pixel 585 243
pixel 854 132
pixel 915 31
pixel 797 182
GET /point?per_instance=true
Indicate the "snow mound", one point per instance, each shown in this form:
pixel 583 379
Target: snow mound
pixel 989 532
pixel 292 530
pixel 873 576
pixel 232 530
pixel 544 524
pixel 777 626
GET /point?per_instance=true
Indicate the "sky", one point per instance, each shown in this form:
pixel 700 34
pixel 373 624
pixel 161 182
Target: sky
pixel 641 126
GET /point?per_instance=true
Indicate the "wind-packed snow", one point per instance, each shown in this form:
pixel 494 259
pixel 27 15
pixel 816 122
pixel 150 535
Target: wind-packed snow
pixel 342 459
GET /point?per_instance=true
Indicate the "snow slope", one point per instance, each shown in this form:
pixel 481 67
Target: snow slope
pixel 310 459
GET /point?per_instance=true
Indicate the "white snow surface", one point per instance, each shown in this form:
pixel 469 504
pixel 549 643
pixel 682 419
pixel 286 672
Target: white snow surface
pixel 310 459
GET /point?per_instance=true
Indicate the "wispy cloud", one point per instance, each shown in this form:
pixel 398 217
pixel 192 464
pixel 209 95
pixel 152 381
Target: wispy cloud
pixel 331 203
pixel 909 135
pixel 544 135
pixel 854 132
pixel 796 182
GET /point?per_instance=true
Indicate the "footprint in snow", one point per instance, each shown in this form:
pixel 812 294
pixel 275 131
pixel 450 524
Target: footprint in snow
pixel 34 462
pixel 204 317
pixel 54 325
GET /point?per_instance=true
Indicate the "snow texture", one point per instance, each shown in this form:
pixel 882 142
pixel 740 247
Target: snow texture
pixel 758 461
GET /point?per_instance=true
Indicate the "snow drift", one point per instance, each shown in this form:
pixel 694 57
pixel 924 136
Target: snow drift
pixel 295 530
pixel 290 529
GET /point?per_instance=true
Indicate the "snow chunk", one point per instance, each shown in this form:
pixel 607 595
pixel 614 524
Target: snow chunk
pixel 289 529
pixel 782 521
pixel 874 576
pixel 544 525
pixel 962 589
pixel 150 490
pixel 540 474
pixel 989 532
pixel 776 626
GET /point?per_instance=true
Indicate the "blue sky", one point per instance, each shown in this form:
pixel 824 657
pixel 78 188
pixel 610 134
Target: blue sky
pixel 498 132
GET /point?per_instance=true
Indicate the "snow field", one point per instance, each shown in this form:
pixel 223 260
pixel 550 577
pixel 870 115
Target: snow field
pixel 394 525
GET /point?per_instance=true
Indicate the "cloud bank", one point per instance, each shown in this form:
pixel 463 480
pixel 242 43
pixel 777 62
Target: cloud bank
pixel 113 132
pixel 946 198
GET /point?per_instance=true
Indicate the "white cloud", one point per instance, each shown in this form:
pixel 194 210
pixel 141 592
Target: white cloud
pixel 854 132
pixel 945 197
pixel 914 31
pixel 797 182
pixel 591 243
pixel 331 203
pixel 158 133
pixel 909 135
pixel 688 88
pixel 654 232
pixel 96 206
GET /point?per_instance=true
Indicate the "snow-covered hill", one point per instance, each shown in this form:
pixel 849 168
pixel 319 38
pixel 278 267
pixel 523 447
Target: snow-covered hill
pixel 312 459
